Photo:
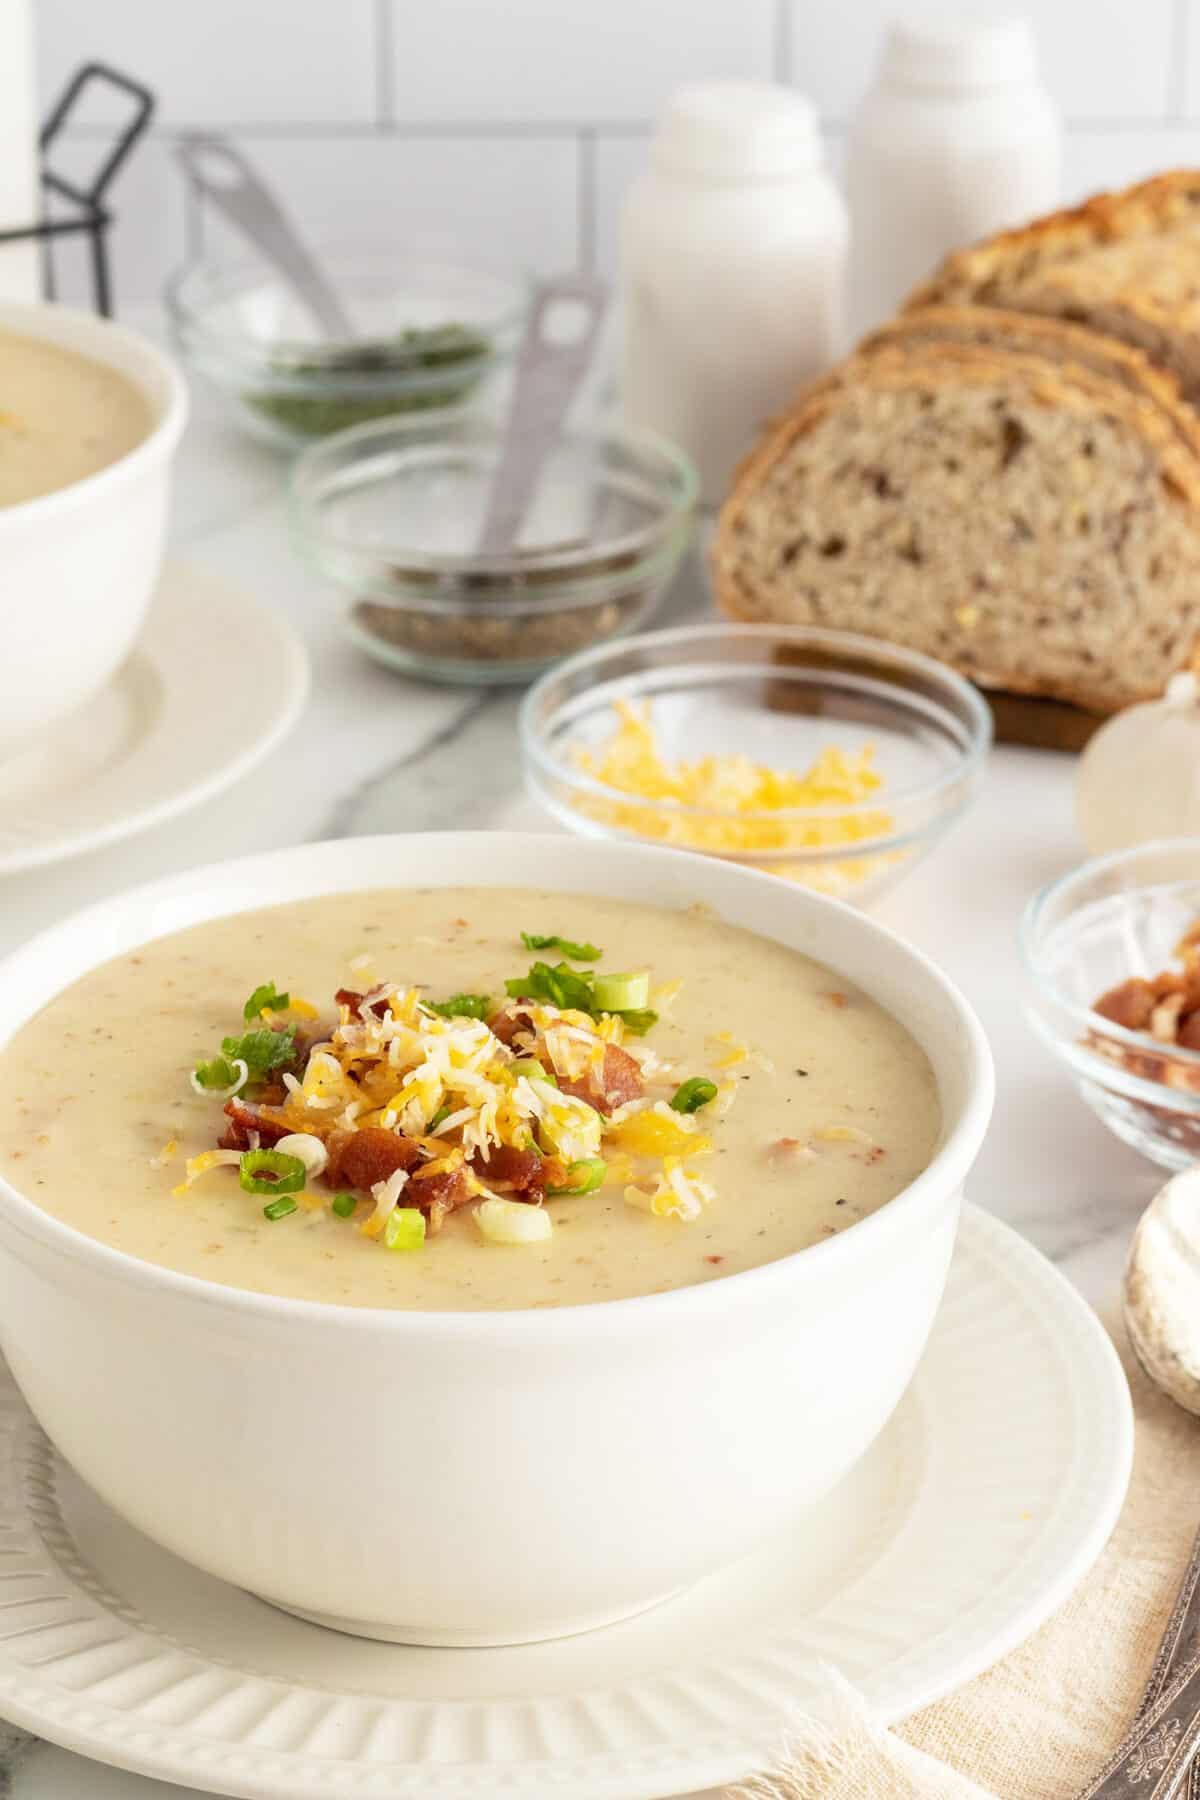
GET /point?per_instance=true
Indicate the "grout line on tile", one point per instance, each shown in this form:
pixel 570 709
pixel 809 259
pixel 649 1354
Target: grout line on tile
pixel 586 198
pixel 385 64
pixel 480 130
pixel 493 130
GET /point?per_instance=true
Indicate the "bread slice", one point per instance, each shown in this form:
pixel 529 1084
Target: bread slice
pixel 1059 344
pixel 1037 528
pixel 1126 264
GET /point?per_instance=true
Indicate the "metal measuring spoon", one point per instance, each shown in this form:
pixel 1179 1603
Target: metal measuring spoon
pixel 225 178
pixel 547 375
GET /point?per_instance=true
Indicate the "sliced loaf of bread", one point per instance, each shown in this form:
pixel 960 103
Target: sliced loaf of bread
pixel 1055 342
pixel 1035 525
pixel 1126 264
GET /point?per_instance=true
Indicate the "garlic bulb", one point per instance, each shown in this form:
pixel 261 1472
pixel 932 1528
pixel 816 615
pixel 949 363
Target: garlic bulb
pixel 1139 777
pixel 1162 1290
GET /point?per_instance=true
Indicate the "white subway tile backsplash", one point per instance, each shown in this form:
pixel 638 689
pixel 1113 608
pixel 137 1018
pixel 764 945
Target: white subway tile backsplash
pixel 618 160
pixel 1097 159
pixel 215 62
pixel 1107 59
pixel 505 202
pixel 1188 72
pixel 512 128
pixel 147 239
pixel 569 60
pixel 1102 59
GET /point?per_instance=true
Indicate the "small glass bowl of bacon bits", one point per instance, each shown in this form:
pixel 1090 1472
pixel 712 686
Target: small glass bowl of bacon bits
pixel 392 1110
pixel 1113 956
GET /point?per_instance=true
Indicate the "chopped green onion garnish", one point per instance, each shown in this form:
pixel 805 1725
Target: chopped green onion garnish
pixel 691 1095
pixel 580 952
pixel 343 1204
pixel 443 1112
pixel 561 985
pixel 405 1229
pixel 271 1172
pixel 219 1073
pixel 279 1209
pixel 619 993
pixel 532 1069
pixel 580 990
pixel 262 1051
pixel 462 1006
pixel 266 995
pixel 582 1178
pixel 638 1019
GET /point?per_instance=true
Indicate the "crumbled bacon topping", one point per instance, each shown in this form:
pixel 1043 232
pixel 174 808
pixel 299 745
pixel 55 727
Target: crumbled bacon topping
pixel 358 1159
pixel 1164 1007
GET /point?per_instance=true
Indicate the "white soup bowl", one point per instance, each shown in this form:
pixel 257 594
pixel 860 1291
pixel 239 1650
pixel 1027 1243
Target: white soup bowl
pixel 476 1477
pixel 78 565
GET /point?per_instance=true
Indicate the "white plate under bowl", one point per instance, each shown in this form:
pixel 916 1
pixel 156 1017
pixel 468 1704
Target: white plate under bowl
pixel 969 1522
pixel 187 715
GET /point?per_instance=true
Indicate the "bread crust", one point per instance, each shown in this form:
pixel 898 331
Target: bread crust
pixel 1148 207
pixel 888 365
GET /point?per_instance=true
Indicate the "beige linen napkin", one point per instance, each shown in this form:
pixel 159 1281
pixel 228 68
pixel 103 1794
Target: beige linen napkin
pixel 1043 1723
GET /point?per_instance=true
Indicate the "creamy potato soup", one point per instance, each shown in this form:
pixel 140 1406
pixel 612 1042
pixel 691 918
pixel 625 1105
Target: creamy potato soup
pixel 62 416
pixel 463 1098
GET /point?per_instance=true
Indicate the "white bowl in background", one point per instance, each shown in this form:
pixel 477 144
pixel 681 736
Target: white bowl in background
pixel 476 1478
pixel 78 566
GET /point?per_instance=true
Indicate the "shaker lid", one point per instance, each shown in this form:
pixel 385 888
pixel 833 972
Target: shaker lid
pixel 735 129
pixel 941 52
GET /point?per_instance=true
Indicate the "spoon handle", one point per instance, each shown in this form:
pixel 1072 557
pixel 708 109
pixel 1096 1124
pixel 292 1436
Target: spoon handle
pixel 226 179
pixel 1161 1748
pixel 1156 1759
pixel 547 375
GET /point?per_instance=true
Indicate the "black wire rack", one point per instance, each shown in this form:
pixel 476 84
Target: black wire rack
pixel 87 213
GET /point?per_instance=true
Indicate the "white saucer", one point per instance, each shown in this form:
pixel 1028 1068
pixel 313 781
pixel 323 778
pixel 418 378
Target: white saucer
pixel 215 682
pixel 979 1510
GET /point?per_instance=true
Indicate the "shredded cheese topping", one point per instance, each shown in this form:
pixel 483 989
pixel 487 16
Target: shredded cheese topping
pixel 459 1092
pixel 738 796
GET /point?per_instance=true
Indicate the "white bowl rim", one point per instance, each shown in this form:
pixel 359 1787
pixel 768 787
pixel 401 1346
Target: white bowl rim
pixel 716 632
pixel 1139 1041
pixel 22 317
pixel 946 1169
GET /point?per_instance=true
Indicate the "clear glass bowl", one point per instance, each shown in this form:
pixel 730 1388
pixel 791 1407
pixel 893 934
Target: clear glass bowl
pixel 1118 916
pixel 392 513
pixel 778 696
pixel 428 335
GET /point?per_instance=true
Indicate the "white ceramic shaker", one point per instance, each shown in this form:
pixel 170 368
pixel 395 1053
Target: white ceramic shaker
pixel 956 139
pixel 733 262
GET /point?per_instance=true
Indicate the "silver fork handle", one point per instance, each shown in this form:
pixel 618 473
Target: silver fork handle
pixel 1161 1748
pixel 1156 1761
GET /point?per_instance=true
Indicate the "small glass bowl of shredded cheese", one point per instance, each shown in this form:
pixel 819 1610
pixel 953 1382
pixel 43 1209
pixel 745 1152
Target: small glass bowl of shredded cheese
pixel 827 759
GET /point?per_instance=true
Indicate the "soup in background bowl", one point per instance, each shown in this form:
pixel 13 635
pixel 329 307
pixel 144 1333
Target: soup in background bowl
pixel 688 1350
pixel 90 416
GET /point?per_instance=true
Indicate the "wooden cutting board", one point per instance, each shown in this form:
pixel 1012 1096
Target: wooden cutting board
pixel 1041 724
pixel 1017 718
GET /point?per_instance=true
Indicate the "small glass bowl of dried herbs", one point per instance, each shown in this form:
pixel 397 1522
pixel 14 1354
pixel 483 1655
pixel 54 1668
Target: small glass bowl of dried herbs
pixel 391 513
pixel 429 338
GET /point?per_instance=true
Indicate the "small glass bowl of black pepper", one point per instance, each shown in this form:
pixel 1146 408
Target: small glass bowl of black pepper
pixel 391 513
pixel 428 337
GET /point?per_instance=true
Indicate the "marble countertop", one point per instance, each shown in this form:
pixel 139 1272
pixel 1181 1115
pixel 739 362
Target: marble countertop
pixel 379 753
